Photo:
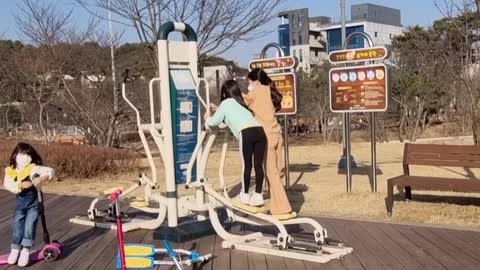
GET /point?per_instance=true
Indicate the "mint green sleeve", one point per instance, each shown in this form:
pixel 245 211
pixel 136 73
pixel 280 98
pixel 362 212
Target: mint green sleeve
pixel 218 117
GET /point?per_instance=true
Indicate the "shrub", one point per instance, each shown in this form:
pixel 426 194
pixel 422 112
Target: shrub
pixel 77 161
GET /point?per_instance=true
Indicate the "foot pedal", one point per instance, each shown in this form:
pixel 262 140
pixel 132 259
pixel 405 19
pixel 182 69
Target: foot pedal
pixel 252 209
pixel 285 216
pixel 137 262
pixel 139 250
pixel 138 202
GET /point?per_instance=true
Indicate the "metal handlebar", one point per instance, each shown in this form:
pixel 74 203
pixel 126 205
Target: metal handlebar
pixel 207 94
pixel 137 112
pixel 124 95
pixel 150 93
pixel 193 158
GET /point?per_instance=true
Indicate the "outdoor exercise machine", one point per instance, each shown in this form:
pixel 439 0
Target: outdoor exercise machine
pixel 184 145
pixel 175 135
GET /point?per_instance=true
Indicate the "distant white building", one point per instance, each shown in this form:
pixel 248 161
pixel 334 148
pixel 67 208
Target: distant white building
pixel 310 39
pixel 92 80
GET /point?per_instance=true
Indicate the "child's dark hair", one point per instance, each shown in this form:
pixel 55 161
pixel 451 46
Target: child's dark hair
pixel 260 75
pixel 25 148
pixel 231 89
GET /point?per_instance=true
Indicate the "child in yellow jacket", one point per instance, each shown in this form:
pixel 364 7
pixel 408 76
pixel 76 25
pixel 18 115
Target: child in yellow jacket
pixel 24 175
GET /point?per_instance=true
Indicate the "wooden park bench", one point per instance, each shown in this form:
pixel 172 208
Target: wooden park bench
pixel 464 156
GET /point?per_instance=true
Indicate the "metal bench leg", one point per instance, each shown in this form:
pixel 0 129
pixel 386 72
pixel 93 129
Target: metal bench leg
pixel 408 193
pixel 389 200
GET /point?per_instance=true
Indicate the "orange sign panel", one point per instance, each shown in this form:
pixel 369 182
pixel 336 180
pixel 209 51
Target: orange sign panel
pixel 286 85
pixel 273 63
pixel 357 55
pixel 359 89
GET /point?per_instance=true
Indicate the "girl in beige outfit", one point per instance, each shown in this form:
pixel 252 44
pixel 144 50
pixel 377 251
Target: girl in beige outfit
pixel 264 100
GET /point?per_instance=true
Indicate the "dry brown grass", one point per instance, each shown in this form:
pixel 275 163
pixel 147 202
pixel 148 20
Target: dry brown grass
pixel 321 191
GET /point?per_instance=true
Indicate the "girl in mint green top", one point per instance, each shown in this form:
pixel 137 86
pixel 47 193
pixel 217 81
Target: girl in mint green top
pixel 234 113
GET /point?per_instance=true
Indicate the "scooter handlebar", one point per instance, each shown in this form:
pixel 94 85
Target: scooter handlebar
pixel 115 195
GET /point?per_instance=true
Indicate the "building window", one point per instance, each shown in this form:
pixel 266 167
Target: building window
pixel 293 22
pixel 390 35
pixel 300 38
pixel 376 34
pixel 293 40
pixel 300 55
pixel 294 53
pixel 299 23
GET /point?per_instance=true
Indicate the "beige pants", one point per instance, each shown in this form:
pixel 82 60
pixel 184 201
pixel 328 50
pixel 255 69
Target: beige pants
pixel 275 166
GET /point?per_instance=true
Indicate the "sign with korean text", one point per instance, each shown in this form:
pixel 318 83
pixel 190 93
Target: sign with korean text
pixel 357 55
pixel 359 89
pixel 273 63
pixel 286 85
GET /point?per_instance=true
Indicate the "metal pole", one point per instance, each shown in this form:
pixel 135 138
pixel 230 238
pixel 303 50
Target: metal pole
pixel 344 37
pixel 346 116
pixel 217 82
pixel 112 47
pixel 285 146
pixel 373 152
pixel 263 53
pixel 347 131
pixel 348 151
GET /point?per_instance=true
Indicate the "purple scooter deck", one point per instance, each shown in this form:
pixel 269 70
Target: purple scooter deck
pixel 35 256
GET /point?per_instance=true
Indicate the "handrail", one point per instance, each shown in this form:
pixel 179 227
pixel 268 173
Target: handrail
pixel 207 93
pixel 194 158
pixel 124 95
pixel 152 108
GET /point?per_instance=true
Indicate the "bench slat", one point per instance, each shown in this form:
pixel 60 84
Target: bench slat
pixel 444 149
pixel 444 163
pixel 445 156
pixel 439 184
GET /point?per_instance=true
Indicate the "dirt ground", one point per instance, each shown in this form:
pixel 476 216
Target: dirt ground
pixel 318 188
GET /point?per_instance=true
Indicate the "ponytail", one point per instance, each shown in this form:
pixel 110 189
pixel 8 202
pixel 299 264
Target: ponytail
pixel 276 97
pixel 260 75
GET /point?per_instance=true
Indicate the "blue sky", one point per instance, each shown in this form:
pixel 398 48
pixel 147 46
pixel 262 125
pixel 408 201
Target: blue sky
pixel 422 12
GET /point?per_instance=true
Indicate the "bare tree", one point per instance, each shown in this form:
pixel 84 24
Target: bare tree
pixel 43 25
pixel 314 99
pixel 220 24
pixel 422 84
pixel 57 70
pixel 461 31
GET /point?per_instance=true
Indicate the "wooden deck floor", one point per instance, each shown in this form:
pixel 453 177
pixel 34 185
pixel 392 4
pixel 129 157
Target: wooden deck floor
pixel 376 245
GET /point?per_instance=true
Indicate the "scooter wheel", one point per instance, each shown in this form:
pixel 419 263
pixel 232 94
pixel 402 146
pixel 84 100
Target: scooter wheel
pixel 51 254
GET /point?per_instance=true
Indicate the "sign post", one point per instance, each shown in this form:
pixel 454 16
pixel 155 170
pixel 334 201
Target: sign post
pixel 359 89
pixel 280 70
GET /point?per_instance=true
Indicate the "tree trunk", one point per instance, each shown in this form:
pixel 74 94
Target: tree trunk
pixel 40 122
pixel 475 126
pixel 111 131
pixel 402 123
pixel 418 116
